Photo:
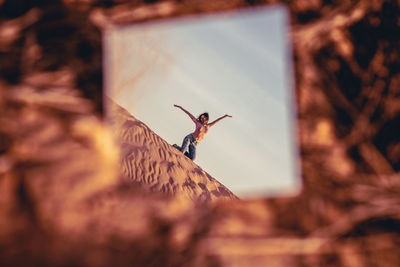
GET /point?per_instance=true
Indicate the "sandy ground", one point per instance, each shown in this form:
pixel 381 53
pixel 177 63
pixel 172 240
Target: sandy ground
pixel 149 160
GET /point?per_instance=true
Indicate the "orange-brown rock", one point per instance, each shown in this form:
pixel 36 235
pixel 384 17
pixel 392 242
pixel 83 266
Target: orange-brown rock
pixel 63 201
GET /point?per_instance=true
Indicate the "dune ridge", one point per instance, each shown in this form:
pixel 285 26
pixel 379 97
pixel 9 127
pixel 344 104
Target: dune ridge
pixel 148 160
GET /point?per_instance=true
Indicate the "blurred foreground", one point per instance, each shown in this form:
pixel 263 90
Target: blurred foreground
pixel 63 201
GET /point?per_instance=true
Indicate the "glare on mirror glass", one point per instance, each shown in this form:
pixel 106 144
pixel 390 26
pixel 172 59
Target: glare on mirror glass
pixel 236 63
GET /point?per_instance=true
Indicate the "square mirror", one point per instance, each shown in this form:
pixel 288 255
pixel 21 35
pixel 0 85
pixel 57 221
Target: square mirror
pixel 236 63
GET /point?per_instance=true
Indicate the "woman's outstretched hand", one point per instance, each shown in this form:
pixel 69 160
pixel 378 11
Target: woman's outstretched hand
pixel 177 106
pixel 229 116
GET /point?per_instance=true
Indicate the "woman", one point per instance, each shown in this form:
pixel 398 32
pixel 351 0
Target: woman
pixel 202 127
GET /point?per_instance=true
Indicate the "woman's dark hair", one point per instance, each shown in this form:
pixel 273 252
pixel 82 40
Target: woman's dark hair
pixel 205 115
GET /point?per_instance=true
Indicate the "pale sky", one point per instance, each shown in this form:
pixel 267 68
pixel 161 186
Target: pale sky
pixel 231 63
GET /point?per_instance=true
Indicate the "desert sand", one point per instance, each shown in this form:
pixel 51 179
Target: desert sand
pixel 148 160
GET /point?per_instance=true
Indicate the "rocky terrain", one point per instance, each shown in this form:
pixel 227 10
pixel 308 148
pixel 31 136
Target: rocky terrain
pixel 63 201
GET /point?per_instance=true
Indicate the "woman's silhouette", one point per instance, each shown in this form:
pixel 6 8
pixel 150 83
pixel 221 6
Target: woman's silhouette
pixel 194 138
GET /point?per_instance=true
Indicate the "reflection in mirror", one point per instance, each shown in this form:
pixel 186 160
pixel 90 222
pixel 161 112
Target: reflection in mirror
pixel 235 63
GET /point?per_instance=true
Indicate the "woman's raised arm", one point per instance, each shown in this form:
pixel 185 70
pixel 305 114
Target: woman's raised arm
pixel 219 119
pixel 187 112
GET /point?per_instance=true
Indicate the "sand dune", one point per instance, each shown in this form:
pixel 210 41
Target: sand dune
pixel 150 161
